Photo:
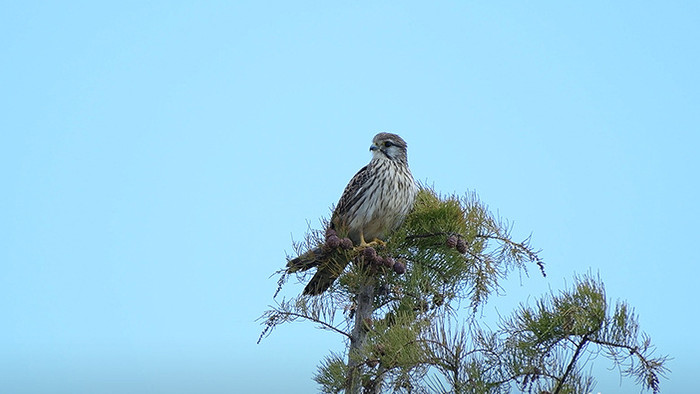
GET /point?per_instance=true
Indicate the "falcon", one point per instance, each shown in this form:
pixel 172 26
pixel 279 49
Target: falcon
pixel 374 203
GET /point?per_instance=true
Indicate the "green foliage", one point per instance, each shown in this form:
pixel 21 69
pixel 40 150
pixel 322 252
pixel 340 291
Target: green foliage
pixel 445 273
pixel 454 249
pixel 332 374
pixel 539 347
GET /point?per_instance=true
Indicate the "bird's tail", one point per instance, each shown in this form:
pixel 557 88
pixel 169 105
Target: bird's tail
pixel 329 269
pixel 306 261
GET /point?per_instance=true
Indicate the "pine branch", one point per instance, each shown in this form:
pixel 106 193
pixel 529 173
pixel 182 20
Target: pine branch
pixel 650 369
pixel 316 320
pixel 569 367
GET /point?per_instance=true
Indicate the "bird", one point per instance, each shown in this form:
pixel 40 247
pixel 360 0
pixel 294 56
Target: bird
pixel 375 202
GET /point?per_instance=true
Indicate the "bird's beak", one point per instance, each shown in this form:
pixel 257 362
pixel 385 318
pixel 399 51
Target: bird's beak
pixel 373 147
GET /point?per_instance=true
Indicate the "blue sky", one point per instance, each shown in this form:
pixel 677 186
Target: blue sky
pixel 158 159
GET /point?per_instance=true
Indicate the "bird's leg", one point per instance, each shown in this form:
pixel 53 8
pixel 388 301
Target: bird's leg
pixel 363 243
pixel 374 242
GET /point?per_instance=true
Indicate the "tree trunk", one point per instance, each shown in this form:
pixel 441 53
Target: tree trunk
pixel 363 315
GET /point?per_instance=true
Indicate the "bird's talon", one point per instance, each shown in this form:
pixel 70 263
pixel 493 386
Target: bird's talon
pixel 377 242
pixel 373 244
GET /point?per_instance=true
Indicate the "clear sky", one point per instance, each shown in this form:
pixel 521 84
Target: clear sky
pixel 158 158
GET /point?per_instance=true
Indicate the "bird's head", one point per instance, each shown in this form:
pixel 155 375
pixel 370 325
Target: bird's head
pixel 389 146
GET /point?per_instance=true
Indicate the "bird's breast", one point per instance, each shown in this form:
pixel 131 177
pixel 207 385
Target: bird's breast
pixel 386 198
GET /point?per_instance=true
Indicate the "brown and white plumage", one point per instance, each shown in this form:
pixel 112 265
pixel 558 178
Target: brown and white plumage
pixel 374 203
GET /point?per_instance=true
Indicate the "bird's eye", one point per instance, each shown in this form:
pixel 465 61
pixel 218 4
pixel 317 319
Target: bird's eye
pixel 387 144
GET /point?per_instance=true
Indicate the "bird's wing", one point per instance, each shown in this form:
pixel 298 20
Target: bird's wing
pixel 351 195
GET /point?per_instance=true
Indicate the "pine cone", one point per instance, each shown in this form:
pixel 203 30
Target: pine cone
pixel 370 254
pixel 461 246
pixel 346 243
pixel 389 262
pixel 451 241
pixel 332 241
